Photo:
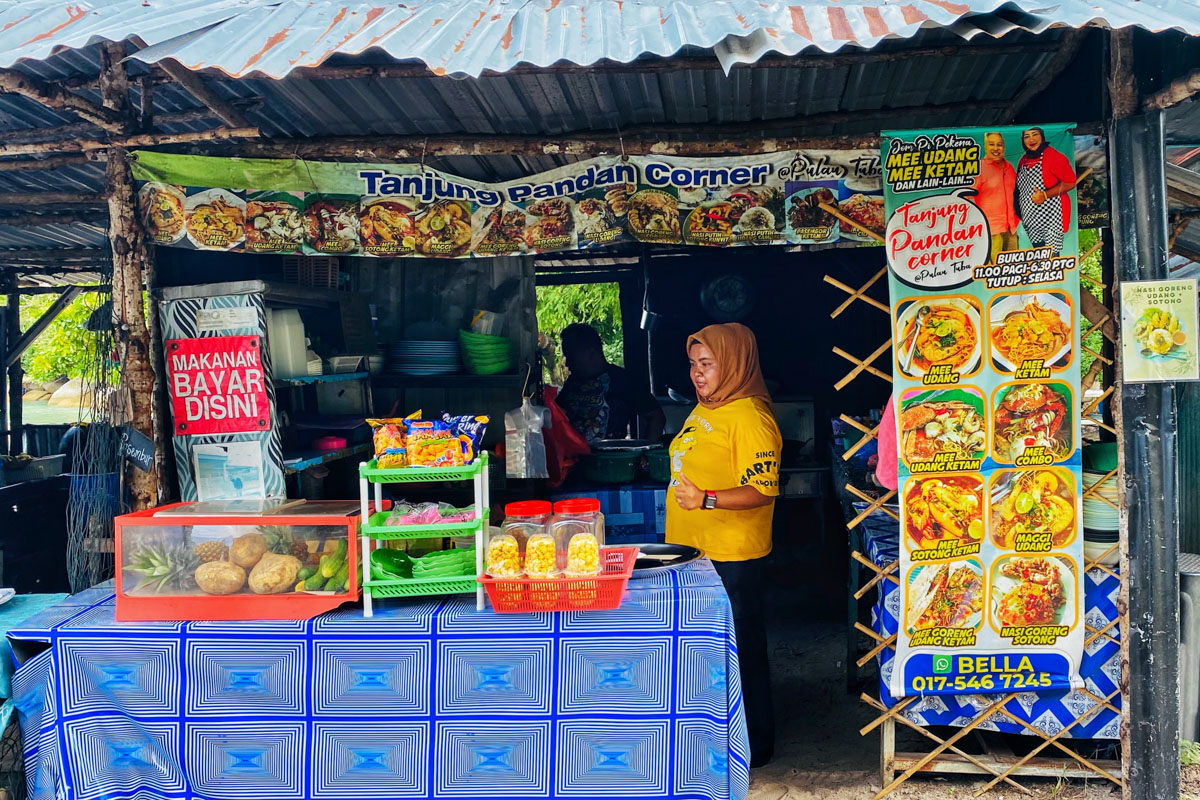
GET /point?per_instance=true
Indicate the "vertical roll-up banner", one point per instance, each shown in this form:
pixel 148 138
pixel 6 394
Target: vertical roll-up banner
pixel 982 248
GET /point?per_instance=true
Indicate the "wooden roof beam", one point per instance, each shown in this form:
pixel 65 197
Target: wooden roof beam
pixel 135 140
pixel 22 199
pixel 66 218
pixel 13 82
pixel 39 325
pixel 51 163
pixel 198 89
pixel 48 254
pixel 59 132
pixel 1174 93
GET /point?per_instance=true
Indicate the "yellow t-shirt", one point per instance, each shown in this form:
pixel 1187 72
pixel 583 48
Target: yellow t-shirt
pixel 735 445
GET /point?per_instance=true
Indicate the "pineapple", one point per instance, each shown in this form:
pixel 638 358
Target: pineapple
pixel 280 540
pixel 165 567
pixel 211 551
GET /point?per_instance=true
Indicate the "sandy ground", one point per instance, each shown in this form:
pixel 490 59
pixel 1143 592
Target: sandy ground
pixel 818 751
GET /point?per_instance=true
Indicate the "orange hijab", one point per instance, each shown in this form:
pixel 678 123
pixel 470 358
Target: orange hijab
pixel 736 351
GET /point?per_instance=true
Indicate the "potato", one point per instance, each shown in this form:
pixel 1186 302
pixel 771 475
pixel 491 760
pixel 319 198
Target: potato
pixel 274 574
pixel 248 549
pixel 220 577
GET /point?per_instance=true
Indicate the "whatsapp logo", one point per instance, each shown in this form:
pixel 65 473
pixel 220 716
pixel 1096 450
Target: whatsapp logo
pixel 941 665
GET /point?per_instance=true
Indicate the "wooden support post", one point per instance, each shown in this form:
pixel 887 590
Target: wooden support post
pixel 129 256
pixel 15 374
pixel 129 260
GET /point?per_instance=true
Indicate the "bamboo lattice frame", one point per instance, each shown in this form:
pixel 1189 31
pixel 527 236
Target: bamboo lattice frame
pixel 946 755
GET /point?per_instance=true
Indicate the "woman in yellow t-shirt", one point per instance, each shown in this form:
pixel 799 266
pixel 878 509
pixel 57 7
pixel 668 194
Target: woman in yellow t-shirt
pixel 724 481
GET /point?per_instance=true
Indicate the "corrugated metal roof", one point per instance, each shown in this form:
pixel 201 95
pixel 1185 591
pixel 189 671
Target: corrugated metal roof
pixel 273 37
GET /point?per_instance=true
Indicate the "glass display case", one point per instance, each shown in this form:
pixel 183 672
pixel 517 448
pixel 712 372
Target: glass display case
pixel 231 560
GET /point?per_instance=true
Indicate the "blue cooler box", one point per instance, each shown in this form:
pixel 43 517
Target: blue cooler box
pixel 632 514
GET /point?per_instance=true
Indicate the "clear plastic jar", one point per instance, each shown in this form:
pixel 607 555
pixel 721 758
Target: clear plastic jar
pixel 507 545
pixel 579 527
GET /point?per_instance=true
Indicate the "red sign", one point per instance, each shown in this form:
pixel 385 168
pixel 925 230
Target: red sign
pixel 217 385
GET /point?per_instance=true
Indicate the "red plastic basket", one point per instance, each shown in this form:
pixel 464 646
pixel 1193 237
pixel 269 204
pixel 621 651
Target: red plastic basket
pixel 597 593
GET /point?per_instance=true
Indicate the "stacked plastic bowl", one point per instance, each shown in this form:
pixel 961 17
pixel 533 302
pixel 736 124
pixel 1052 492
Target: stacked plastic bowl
pixel 411 357
pixel 1101 524
pixel 485 355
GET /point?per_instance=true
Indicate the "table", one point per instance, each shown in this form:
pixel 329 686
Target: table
pixel 1049 712
pixel 426 699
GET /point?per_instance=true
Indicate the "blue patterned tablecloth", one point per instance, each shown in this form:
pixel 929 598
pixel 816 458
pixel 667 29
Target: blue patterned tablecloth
pixel 1049 712
pixel 424 700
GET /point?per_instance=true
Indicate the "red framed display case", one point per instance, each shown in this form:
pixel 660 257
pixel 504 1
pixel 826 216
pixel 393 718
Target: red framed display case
pixel 208 561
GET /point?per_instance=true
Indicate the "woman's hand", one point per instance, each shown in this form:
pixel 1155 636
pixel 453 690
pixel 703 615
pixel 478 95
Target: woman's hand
pixel 688 495
pixel 1040 196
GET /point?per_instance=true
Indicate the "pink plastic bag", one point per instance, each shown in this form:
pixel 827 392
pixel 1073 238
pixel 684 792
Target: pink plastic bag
pixel 887 472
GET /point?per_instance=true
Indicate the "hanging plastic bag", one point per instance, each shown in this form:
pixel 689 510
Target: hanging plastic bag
pixel 564 444
pixel 524 445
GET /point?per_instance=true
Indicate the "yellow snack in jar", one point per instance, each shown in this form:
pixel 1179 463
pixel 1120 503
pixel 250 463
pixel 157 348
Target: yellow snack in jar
pixel 503 557
pixel 541 558
pixel 583 555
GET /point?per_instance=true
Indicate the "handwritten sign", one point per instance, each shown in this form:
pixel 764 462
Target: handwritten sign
pixel 217 385
pixel 137 447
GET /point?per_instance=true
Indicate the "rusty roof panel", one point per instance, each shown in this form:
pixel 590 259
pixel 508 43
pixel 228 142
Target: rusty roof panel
pixel 273 37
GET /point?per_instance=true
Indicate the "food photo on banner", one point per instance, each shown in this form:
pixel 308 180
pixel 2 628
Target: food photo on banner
pixel 393 210
pixel 982 247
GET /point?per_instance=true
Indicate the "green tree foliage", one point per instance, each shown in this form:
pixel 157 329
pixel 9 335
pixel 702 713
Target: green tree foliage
pixel 66 347
pixel 1092 268
pixel 597 304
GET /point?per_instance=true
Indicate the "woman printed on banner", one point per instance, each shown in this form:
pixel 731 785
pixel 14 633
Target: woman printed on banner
pixel 1044 177
pixel 995 187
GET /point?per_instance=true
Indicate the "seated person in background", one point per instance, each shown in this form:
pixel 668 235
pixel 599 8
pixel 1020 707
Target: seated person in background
pixel 600 399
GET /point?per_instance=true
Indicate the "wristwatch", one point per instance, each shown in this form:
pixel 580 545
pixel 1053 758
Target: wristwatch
pixel 710 500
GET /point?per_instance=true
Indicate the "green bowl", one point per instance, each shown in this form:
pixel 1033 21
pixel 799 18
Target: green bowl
pixel 1100 457
pixel 495 369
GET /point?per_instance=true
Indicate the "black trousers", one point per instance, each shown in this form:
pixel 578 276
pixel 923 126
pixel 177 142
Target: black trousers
pixel 744 584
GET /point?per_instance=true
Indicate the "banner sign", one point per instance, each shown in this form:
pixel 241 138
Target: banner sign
pixel 391 210
pixel 217 385
pixel 1162 318
pixel 981 245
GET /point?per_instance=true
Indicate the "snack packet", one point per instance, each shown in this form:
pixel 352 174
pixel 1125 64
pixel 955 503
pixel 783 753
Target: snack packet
pixel 431 444
pixel 470 429
pixel 389 438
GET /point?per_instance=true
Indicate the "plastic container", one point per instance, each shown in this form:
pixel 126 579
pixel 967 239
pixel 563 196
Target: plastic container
pixel 611 467
pixel 578 527
pixel 285 335
pixel 506 550
pixel 658 465
pixel 602 592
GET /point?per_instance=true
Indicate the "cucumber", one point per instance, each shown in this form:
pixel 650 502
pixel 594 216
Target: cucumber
pixel 338 581
pixel 314 582
pixel 305 573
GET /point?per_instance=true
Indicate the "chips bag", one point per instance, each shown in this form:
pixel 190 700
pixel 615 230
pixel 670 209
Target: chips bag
pixel 470 430
pixel 431 444
pixel 390 439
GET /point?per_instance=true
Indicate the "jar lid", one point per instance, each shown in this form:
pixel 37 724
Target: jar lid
pixel 528 508
pixel 577 505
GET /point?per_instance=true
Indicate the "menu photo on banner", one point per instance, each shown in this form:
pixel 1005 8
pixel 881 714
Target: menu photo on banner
pixel 982 249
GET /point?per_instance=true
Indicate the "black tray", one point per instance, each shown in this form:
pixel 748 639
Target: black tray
pixel 682 554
